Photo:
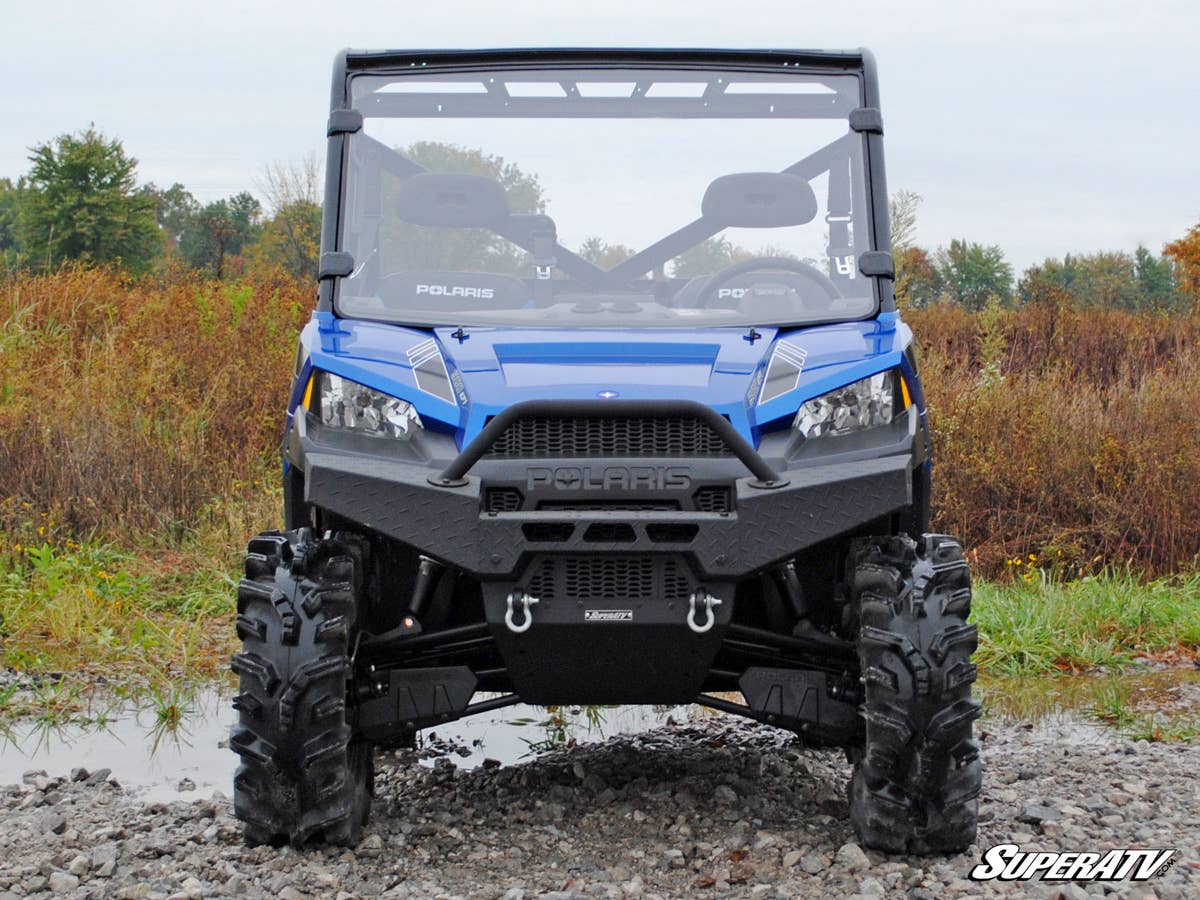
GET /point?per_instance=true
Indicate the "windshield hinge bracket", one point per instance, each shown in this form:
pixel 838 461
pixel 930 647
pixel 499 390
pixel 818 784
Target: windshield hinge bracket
pixel 877 264
pixel 866 118
pixel 335 264
pixel 344 121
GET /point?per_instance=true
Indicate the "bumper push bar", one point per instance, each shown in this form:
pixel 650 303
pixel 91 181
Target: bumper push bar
pixel 455 474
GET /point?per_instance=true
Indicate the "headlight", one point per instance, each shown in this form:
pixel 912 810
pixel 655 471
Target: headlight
pixel 347 404
pixel 854 407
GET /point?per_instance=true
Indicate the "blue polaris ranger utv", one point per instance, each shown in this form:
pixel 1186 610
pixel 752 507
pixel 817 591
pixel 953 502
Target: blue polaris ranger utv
pixel 606 400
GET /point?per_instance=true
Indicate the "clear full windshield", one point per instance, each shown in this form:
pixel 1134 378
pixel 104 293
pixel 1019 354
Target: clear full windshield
pixel 605 197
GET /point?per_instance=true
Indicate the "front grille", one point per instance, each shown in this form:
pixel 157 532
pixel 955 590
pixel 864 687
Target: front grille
pixel 540 437
pixel 498 500
pixel 610 578
pixel 714 499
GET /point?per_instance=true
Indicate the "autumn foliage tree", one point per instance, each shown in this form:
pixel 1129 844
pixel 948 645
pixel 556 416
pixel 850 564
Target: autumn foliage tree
pixel 1185 253
pixel 290 238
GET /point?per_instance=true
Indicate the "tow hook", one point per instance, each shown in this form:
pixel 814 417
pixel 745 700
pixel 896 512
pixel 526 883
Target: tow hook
pixel 525 601
pixel 708 601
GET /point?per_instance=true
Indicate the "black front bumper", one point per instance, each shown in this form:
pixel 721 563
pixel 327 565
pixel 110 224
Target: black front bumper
pixel 765 526
pixel 617 551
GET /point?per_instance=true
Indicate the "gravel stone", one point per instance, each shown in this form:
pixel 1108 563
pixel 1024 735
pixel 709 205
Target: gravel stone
pixel 61 882
pixel 717 808
pixel 725 794
pixel 851 857
pixel 1036 814
pixel 813 864
pixel 80 865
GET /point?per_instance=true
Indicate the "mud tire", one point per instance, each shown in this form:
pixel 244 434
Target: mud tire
pixel 303 777
pixel 917 777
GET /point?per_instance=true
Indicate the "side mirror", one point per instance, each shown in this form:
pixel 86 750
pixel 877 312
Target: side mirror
pixel 453 200
pixel 759 200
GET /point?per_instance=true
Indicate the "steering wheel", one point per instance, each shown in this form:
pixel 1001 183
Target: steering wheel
pixel 807 273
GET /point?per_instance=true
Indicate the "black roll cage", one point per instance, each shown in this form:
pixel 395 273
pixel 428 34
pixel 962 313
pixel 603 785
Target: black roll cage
pixel 865 119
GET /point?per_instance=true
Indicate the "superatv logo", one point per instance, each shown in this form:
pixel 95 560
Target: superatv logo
pixel 1008 862
pixel 610 478
pixel 608 615
pixel 455 290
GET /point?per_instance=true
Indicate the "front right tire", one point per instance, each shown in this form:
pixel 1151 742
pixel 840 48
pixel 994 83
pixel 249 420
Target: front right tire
pixel 917 778
pixel 303 776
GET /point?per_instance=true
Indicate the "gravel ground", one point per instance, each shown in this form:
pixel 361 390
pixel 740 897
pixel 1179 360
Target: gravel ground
pixel 724 809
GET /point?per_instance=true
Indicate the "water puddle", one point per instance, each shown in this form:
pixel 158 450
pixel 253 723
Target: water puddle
pixel 1029 697
pixel 131 739
pixel 191 759
pixel 186 756
pixel 1155 704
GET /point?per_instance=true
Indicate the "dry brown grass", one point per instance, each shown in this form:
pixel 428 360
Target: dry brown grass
pixel 1068 434
pixel 146 411
pixel 132 408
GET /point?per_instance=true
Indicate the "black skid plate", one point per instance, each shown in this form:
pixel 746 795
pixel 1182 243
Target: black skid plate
pixel 803 700
pixel 607 630
pixel 411 699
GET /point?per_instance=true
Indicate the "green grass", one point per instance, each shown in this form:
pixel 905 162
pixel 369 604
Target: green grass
pixel 90 608
pixel 1101 622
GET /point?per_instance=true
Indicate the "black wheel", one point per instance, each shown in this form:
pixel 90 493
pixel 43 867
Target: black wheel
pixel 917 778
pixel 303 776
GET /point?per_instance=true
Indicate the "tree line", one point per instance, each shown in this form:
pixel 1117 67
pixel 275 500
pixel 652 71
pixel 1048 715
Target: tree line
pixel 975 275
pixel 81 201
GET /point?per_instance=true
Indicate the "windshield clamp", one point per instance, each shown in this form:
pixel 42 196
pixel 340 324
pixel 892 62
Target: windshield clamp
pixel 335 264
pixel 877 263
pixel 866 118
pixel 344 121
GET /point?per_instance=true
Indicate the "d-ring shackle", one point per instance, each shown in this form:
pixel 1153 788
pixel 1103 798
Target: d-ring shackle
pixel 709 601
pixel 526 602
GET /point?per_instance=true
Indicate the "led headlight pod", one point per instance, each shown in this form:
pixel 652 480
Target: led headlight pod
pixel 351 406
pixel 854 407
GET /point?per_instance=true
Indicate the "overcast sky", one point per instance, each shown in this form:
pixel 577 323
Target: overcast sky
pixel 1046 127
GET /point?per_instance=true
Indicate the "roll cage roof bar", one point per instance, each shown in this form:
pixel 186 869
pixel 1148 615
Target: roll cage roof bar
pixel 495 100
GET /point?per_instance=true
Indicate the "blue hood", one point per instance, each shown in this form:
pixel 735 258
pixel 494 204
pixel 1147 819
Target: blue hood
pixel 719 367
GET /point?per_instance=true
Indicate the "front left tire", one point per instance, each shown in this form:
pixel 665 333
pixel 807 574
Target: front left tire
pixel 303 775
